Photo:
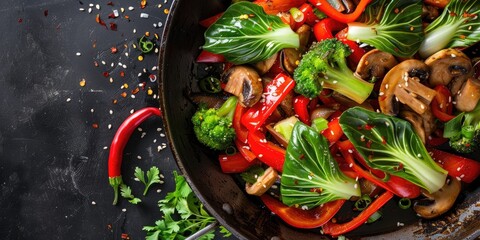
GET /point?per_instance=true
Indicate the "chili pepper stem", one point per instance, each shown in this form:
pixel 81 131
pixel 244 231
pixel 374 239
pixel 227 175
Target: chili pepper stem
pixel 115 182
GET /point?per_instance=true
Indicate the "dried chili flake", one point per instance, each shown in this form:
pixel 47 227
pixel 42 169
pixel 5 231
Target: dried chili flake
pixel 143 4
pixel 95 125
pixel 369 143
pixel 114 101
pixel 113 26
pixel 110 3
pixel 123 94
pixel 384 140
pixel 122 74
pixel 113 50
pixel 99 20
pixel 95 63
pixel 125 236
pixel 20 20
pixel 106 74
pixel 135 91
pixel 368 127
pixel 45 12
pixel 112 15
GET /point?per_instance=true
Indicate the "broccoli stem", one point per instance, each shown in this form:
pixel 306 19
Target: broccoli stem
pixel 228 108
pixel 344 82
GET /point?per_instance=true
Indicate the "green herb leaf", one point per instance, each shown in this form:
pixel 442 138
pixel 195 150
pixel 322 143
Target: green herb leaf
pixel 311 175
pixel 245 34
pixel 126 192
pixel 251 175
pixel 225 232
pixel 153 176
pixel 391 145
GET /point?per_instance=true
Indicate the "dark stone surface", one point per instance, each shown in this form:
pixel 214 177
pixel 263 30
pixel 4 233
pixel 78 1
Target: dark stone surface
pixel 53 162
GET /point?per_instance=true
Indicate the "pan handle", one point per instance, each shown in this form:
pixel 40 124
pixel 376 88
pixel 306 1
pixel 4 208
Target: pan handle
pixel 203 231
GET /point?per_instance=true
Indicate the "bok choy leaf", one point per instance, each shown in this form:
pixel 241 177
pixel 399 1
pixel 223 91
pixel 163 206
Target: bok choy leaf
pixel 391 145
pixel 311 175
pixel 245 34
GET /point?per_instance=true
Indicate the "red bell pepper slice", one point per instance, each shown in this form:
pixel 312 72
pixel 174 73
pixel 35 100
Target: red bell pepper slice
pixel 208 57
pixel 300 106
pixel 325 28
pixel 357 51
pixel 396 185
pixel 241 131
pixel 309 15
pixel 464 169
pixel 330 11
pixel 326 98
pixel 211 20
pixel 334 131
pixel 234 163
pixel 275 6
pixel 299 218
pixel 273 94
pixel 441 105
pixel 266 151
pixel 244 149
pixel 336 229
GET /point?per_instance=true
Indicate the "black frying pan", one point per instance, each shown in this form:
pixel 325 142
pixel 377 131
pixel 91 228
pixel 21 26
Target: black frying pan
pixel 224 197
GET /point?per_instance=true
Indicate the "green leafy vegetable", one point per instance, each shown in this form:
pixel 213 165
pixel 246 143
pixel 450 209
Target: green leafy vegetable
pixel 126 192
pixel 245 34
pixel 183 215
pixel 463 131
pixel 285 127
pixel 311 175
pixel 251 175
pixel 393 26
pixel 457 26
pixel 153 176
pixel 391 145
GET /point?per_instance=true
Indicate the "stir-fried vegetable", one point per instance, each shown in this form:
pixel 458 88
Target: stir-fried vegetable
pixel 457 26
pixel 391 26
pixel 311 176
pixel 464 131
pixel 325 66
pixel 391 145
pixel 246 34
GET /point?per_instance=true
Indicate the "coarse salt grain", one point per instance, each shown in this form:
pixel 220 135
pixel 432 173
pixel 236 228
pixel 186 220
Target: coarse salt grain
pixel 143 15
pixel 69 99
pixel 131 8
pixel 78 54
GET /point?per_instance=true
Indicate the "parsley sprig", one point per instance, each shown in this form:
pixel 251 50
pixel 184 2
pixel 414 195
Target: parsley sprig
pixel 126 192
pixel 153 176
pixel 183 215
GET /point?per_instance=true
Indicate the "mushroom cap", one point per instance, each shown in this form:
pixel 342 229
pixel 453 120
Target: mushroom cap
pixel 245 83
pixel 375 63
pixel 402 85
pixel 468 97
pixel 449 67
pixel 290 57
pixel 438 202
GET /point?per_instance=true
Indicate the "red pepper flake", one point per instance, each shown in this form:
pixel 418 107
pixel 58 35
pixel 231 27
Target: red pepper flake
pixel 384 140
pixel 452 14
pixel 399 167
pixel 106 74
pixel 295 182
pixel 462 36
pixel 20 20
pixel 111 15
pixel 316 190
pixel 95 63
pixel 125 236
pixel 95 125
pixel 113 26
pixel 302 156
pixel 113 50
pixel 122 74
pixel 369 143
pixel 396 10
pixel 99 20
pixel 45 12
pixel 127 17
pixel 109 226
pixel 110 3
pixel 123 94
pixel 135 91
pixel 114 101
pixel 143 4
pixel 368 127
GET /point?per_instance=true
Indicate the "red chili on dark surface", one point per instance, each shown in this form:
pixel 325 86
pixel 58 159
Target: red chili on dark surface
pixel 120 141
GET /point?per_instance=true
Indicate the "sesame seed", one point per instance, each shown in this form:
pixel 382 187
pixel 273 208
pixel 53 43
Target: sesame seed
pixel 94 203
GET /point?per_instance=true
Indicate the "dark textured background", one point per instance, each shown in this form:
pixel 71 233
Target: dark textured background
pixel 53 165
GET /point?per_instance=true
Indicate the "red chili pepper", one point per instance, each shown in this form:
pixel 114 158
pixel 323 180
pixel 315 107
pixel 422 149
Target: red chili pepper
pixel 275 6
pixel 394 184
pixel 211 20
pixel 336 229
pixel 241 131
pixel 300 106
pixel 266 151
pixel 442 106
pixel 234 163
pixel 118 144
pixel 244 149
pixel 462 168
pixel 299 218
pixel 330 11
pixel 208 57
pixel 273 93
pixel 334 131
pixel 309 15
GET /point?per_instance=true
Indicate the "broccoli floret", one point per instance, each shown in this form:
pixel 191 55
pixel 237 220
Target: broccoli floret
pixel 213 127
pixel 325 66
pixel 464 131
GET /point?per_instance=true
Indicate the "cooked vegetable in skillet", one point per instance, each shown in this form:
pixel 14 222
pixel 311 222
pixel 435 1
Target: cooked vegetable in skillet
pixel 389 147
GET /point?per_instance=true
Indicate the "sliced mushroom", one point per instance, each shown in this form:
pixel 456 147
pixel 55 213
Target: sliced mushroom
pixel 276 135
pixel 469 95
pixel 375 64
pixel 449 67
pixel 321 112
pixel 245 83
pixel 347 102
pixel 290 57
pixel 264 182
pixel 437 203
pixel 263 66
pixel 402 85
pixel 423 124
